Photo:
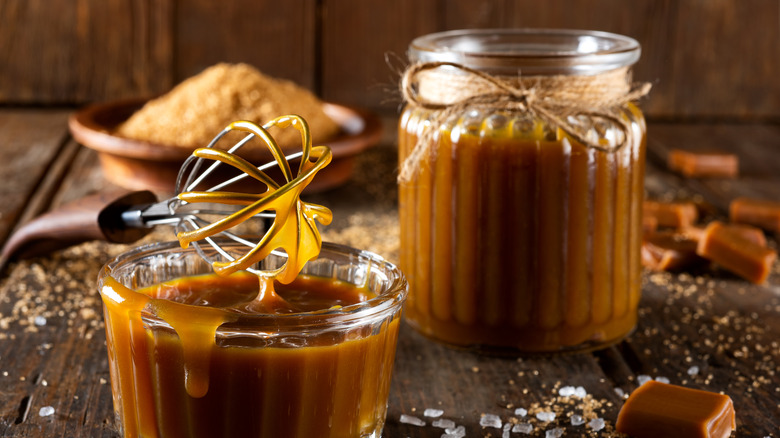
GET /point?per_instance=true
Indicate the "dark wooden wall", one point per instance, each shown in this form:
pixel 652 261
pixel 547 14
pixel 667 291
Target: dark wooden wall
pixel 708 59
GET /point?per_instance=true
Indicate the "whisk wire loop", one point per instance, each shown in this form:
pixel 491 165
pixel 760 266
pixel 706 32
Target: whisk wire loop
pixel 293 229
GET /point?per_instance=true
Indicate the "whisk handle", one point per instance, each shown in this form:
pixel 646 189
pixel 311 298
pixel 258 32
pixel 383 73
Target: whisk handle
pixel 95 217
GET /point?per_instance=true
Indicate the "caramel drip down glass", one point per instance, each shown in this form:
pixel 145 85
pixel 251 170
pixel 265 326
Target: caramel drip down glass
pixel 518 235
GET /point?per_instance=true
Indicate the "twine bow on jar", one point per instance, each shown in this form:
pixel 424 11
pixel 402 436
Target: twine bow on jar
pixel 449 89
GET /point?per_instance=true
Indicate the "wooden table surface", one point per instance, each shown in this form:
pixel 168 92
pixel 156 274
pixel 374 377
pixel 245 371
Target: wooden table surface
pixel 710 330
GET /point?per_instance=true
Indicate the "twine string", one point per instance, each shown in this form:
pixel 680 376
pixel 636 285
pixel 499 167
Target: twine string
pixel 552 99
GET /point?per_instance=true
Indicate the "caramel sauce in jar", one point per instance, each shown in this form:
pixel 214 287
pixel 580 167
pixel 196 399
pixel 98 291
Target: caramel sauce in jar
pixel 194 354
pixel 516 236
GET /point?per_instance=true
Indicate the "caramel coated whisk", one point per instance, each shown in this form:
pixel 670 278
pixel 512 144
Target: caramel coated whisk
pixel 292 231
pixel 293 228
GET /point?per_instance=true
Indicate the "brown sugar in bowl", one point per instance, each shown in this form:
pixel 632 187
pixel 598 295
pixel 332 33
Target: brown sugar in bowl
pixel 142 165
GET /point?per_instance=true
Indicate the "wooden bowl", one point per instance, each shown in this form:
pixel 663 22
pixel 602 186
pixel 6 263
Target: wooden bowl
pixel 141 165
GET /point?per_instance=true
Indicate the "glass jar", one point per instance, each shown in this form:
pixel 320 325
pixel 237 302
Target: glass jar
pixel 519 234
pixel 216 373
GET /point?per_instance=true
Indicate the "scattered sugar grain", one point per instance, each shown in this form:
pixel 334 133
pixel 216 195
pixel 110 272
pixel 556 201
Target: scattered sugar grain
pixel 409 419
pixel 554 433
pixel 490 420
pixel 40 321
pixel 577 420
pixel 596 424
pixel 46 411
pixel 433 413
pixel 443 423
pixel 520 412
pixel 545 416
pixel 525 428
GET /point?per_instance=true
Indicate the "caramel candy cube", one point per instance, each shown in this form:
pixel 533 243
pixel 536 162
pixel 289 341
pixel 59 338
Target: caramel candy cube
pixel 671 214
pixel 703 164
pixel 649 224
pixel 749 232
pixel 670 251
pixel 657 409
pixel 734 252
pixel 763 214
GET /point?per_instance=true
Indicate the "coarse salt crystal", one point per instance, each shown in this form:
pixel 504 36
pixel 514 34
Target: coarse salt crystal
pixel 662 379
pixel 46 411
pixel 505 433
pixel 577 420
pixel 433 413
pixel 490 420
pixel 694 370
pixel 554 433
pixel 525 428
pixel 410 419
pixel 620 392
pixel 521 412
pixel 443 424
pixel 545 416
pixel 40 321
pixel 566 391
pixel 596 424
pixel 459 431
pixel 642 379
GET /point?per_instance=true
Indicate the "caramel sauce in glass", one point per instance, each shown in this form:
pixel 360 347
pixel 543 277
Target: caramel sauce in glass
pixel 524 243
pixel 209 355
pixel 515 236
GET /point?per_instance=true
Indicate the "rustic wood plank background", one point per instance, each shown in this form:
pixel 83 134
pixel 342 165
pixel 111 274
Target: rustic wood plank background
pixel 716 59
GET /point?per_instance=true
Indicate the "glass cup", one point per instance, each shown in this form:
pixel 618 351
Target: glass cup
pixel 312 374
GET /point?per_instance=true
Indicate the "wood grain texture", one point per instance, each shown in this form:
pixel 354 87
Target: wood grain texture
pixel 730 60
pixel 707 60
pixel 62 365
pixel 358 36
pixel 276 37
pixel 30 141
pixel 82 50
